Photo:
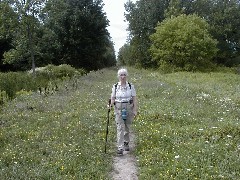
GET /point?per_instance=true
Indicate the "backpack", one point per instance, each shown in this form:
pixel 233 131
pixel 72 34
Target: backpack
pixel 129 84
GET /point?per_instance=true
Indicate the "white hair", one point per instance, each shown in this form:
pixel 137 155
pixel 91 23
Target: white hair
pixel 122 71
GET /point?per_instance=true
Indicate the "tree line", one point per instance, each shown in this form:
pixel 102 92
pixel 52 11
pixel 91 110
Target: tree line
pixel 35 33
pixel 182 34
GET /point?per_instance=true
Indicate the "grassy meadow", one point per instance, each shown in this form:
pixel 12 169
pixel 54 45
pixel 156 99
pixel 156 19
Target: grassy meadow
pixel 187 128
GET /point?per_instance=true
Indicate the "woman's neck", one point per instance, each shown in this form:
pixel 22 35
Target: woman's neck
pixel 123 83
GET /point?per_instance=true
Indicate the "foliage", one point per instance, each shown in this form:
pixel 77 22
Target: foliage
pixel 143 17
pixel 61 71
pixel 183 42
pixel 126 56
pixel 109 56
pixel 221 15
pixel 78 30
pixel 55 32
pixel 174 9
pixel 3 97
pixel 225 29
pixel 27 13
pixel 8 24
pixel 13 82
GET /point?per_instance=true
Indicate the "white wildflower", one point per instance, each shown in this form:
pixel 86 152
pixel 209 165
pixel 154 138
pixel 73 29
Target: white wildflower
pixel 176 157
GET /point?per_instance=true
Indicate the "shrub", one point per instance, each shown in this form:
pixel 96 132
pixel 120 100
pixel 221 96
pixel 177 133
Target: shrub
pixel 3 97
pixel 12 82
pixel 52 72
pixel 184 43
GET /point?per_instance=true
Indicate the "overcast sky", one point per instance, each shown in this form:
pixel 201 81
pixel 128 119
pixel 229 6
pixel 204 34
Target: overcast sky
pixel 115 14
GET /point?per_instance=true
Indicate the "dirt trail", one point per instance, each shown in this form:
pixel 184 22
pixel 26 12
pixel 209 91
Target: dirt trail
pixel 125 166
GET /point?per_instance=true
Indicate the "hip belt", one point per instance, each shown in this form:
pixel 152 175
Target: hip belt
pixel 130 101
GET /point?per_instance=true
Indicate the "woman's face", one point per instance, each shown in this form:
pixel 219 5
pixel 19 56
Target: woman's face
pixel 123 77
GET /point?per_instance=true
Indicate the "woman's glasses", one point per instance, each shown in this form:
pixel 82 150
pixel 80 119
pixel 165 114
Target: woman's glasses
pixel 123 75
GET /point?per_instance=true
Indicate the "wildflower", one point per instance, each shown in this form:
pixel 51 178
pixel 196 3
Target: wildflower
pixel 205 95
pixel 176 157
pixel 200 129
pixel 221 119
pixel 229 136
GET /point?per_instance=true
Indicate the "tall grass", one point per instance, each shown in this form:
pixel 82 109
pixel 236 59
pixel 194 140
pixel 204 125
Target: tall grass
pixel 187 128
pixel 60 136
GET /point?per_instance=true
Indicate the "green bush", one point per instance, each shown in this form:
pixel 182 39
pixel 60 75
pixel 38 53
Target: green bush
pixel 62 71
pixel 12 82
pixel 184 43
pixel 3 97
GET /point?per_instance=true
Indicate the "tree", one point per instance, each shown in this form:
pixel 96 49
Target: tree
pixel 56 32
pixel 183 43
pixel 225 28
pixel 109 56
pixel 143 18
pixel 174 9
pixel 8 24
pixel 221 15
pixel 79 27
pixel 25 38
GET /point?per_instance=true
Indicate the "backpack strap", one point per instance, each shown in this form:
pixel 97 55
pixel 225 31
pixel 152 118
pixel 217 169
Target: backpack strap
pixel 116 85
pixel 116 88
pixel 129 84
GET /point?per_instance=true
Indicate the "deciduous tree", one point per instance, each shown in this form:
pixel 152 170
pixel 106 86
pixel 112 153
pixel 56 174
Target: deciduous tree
pixel 25 39
pixel 183 43
pixel 79 27
pixel 143 18
pixel 8 27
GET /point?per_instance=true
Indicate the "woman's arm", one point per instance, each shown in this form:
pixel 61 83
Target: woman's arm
pixel 134 98
pixel 112 101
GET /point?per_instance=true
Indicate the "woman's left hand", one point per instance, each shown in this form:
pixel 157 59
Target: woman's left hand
pixel 134 113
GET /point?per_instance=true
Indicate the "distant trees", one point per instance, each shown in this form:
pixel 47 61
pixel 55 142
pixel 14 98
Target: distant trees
pixel 144 16
pixel 56 32
pixel 126 55
pixel 223 18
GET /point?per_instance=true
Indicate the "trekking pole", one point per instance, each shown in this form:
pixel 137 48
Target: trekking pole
pixel 109 102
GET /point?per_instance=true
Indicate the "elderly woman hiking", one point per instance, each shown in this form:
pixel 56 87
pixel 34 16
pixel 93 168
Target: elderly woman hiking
pixel 123 98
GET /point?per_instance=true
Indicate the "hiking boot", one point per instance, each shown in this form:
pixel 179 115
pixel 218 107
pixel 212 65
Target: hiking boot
pixel 120 151
pixel 126 146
